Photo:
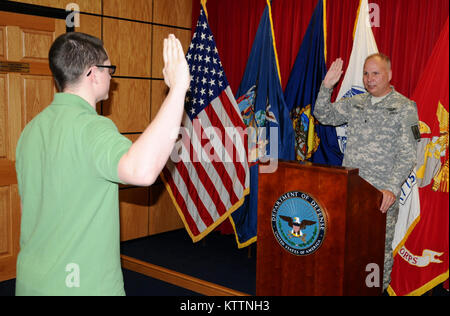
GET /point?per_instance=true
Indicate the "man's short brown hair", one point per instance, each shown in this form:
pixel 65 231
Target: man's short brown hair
pixel 381 56
pixel 71 54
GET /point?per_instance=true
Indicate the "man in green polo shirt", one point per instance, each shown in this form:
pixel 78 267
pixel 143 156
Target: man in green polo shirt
pixel 69 162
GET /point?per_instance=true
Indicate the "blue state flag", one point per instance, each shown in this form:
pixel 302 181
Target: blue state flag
pixel 313 141
pixel 270 131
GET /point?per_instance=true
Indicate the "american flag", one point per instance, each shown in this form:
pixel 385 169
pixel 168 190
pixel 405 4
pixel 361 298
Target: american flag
pixel 207 175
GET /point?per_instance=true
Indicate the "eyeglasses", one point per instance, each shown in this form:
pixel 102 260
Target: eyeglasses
pixel 112 69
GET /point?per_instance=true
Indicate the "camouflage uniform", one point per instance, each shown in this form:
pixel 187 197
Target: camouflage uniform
pixel 380 142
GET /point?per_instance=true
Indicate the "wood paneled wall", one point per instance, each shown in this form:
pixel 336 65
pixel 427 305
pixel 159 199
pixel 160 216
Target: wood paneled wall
pixel 133 32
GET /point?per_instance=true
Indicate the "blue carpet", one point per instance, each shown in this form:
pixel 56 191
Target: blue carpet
pixel 137 284
pixel 8 288
pixel 215 258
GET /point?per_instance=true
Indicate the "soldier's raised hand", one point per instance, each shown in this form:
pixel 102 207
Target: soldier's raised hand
pixel 334 74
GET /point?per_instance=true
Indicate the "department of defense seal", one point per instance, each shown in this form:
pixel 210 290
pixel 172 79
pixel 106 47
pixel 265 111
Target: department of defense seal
pixel 298 222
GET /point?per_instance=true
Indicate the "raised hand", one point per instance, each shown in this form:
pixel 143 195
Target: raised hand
pixel 334 74
pixel 176 69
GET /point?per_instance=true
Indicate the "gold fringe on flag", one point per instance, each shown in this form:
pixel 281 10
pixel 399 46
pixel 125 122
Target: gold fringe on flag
pixel 203 2
pixel 441 179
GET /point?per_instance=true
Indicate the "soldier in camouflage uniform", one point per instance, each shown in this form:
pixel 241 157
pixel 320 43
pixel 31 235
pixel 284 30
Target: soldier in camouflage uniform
pixel 382 135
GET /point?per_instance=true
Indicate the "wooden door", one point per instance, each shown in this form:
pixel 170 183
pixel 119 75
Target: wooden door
pixel 26 88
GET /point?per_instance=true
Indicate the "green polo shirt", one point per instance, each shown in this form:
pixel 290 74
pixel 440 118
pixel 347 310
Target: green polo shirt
pixel 67 169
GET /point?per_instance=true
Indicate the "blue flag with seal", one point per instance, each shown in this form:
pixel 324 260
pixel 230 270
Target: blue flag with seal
pixel 270 132
pixel 313 141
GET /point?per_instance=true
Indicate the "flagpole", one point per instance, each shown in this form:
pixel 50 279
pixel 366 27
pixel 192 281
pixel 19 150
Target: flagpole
pixel 325 29
pixel 273 39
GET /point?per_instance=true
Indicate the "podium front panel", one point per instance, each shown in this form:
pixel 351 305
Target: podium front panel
pixel 288 263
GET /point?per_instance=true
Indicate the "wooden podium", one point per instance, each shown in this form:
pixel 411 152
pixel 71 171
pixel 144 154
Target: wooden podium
pixel 353 240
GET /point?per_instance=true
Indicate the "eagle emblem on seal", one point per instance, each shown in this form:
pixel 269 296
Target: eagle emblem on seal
pixel 297 226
